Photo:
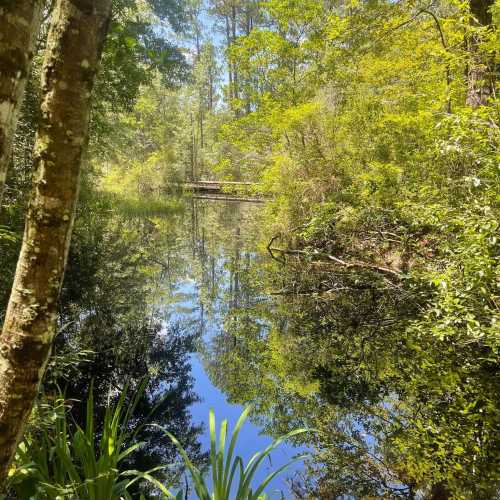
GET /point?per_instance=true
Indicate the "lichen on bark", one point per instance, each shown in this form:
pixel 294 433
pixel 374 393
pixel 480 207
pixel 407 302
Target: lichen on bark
pixel 29 325
pixel 20 22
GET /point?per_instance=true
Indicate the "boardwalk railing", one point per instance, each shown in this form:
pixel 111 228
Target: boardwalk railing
pixel 222 190
pixel 218 186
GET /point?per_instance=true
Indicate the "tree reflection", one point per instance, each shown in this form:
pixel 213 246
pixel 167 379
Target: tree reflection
pixel 108 312
pixel 398 412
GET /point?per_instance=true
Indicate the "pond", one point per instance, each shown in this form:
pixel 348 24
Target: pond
pixel 214 289
pixel 185 291
pixel 174 289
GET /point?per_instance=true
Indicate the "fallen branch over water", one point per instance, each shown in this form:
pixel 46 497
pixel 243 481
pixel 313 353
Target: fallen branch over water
pixel 331 258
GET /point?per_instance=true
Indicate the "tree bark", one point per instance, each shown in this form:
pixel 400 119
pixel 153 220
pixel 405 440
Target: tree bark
pixel 19 26
pixel 229 59
pixel 233 40
pixel 211 83
pixel 480 78
pixel 74 46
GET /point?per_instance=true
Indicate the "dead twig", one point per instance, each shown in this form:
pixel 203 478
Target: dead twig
pixel 270 250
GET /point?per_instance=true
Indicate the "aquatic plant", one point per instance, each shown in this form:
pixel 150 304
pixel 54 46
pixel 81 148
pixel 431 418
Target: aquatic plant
pixel 63 460
pixel 230 478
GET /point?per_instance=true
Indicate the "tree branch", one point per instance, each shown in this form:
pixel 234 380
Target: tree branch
pixel 327 257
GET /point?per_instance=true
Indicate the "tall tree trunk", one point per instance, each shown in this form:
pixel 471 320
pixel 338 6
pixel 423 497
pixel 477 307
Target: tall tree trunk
pixel 193 149
pixel 233 40
pixel 210 88
pixel 229 58
pixel 233 22
pixel 201 118
pixel 197 40
pixel 480 77
pixel 19 27
pixel 73 51
pixel 201 115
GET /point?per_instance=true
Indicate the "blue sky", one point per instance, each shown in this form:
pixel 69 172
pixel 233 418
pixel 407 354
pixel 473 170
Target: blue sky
pixel 251 439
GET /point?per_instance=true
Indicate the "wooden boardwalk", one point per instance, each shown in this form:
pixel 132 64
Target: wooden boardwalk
pixel 222 190
pixel 217 186
pixel 229 197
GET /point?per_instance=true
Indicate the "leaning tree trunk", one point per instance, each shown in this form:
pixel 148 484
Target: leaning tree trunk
pixel 73 51
pixel 480 77
pixel 19 26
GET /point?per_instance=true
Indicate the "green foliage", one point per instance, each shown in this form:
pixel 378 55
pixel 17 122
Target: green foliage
pixel 62 460
pixel 67 461
pixel 138 49
pixel 7 235
pixel 357 127
pixel 382 325
pixel 227 468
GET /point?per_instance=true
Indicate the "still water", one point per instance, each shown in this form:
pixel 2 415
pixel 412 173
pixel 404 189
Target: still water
pixel 212 283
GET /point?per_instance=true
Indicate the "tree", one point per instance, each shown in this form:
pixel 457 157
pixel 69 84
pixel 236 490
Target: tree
pixel 74 47
pixel 20 21
pixel 227 13
pixel 480 73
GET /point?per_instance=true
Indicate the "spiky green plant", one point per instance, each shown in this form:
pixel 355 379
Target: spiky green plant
pixel 62 462
pixel 231 479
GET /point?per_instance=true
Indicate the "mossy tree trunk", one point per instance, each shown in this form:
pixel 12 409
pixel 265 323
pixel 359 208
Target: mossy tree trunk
pixel 19 26
pixel 74 46
pixel 480 74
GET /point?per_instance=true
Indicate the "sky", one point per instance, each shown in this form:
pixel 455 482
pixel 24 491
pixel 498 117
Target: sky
pixel 250 440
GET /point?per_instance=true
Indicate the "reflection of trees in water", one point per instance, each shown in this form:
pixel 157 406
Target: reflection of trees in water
pixel 229 271
pixel 220 256
pixel 106 309
pixel 329 350
pixel 324 349
pixel 216 249
pixel 121 274
pixel 397 411
pixel 228 279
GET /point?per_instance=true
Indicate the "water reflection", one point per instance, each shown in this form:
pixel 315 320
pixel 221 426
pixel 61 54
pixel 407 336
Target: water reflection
pixel 112 334
pixel 184 293
pixel 213 284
